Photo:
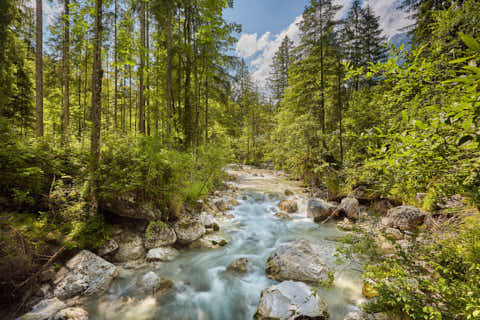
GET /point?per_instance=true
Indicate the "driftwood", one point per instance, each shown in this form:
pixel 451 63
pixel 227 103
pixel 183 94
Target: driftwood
pixel 329 217
pixel 43 268
pixel 30 280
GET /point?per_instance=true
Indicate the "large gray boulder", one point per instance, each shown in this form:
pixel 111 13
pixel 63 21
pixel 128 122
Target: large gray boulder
pixel 84 274
pixel 291 300
pixel 350 207
pixel 44 310
pixel 159 235
pixel 126 205
pixel 130 247
pixel 404 218
pixel 189 230
pixel 319 210
pixel 162 254
pixel 298 260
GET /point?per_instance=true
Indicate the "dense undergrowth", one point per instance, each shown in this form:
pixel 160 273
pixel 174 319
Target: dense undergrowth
pixel 45 196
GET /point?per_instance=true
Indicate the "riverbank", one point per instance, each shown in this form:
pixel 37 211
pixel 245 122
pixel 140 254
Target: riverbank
pixel 241 253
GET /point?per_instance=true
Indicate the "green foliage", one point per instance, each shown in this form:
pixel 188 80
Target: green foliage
pixel 154 227
pixel 434 281
pixel 427 135
pixel 145 168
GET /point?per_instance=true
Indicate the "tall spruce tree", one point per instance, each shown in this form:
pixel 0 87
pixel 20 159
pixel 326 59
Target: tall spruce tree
pixel 278 79
pixel 362 39
pixel 317 29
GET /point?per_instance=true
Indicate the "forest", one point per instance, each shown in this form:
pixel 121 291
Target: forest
pixel 129 111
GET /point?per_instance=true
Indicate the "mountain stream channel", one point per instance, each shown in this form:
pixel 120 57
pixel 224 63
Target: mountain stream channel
pixel 203 289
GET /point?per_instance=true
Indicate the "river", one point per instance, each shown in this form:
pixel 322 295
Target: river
pixel 204 291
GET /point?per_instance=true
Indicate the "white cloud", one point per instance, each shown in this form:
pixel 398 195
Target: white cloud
pixel 392 19
pixel 265 46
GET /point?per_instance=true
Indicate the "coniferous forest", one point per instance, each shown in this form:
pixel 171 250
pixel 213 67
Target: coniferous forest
pixel 123 115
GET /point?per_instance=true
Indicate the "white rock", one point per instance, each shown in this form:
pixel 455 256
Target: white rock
pixel 84 274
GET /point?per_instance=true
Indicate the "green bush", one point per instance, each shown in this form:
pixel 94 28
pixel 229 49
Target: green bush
pixel 434 281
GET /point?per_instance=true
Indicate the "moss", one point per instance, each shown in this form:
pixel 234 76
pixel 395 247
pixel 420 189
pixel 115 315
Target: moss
pixel 153 228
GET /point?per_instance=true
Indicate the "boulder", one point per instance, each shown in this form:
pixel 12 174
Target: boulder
pixel 404 218
pixel 240 265
pixel 291 300
pixel 151 283
pixel 189 230
pixel 159 235
pixel 84 274
pixel 209 221
pixel 393 233
pixel 44 310
pixel 126 205
pixel 358 315
pixel 130 247
pixel 298 260
pixel 345 224
pixel 73 313
pixel 319 210
pixel 283 215
pixel 107 247
pixel 349 207
pixel 221 205
pixel 162 254
pixel 289 206
pixel 210 241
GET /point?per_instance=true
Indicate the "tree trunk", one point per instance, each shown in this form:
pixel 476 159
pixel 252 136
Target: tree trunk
pixel 206 109
pixel 147 57
pixel 115 99
pixel 141 106
pixel 39 69
pixel 97 75
pixel 66 74
pixel 187 114
pixel 169 75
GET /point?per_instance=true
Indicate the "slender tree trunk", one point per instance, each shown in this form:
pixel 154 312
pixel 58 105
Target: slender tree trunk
pixel 322 84
pixel 147 57
pixel 169 75
pixel 141 89
pixel 206 109
pixel 66 74
pixel 187 114
pixel 339 84
pixel 85 86
pixel 39 69
pixel 107 95
pixel 97 75
pixel 79 101
pixel 115 103
pixel 130 98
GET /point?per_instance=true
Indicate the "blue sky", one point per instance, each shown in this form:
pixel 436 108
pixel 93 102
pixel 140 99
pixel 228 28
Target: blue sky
pixel 261 16
pixel 266 22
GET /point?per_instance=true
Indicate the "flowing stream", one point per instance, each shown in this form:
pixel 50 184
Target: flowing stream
pixel 203 290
